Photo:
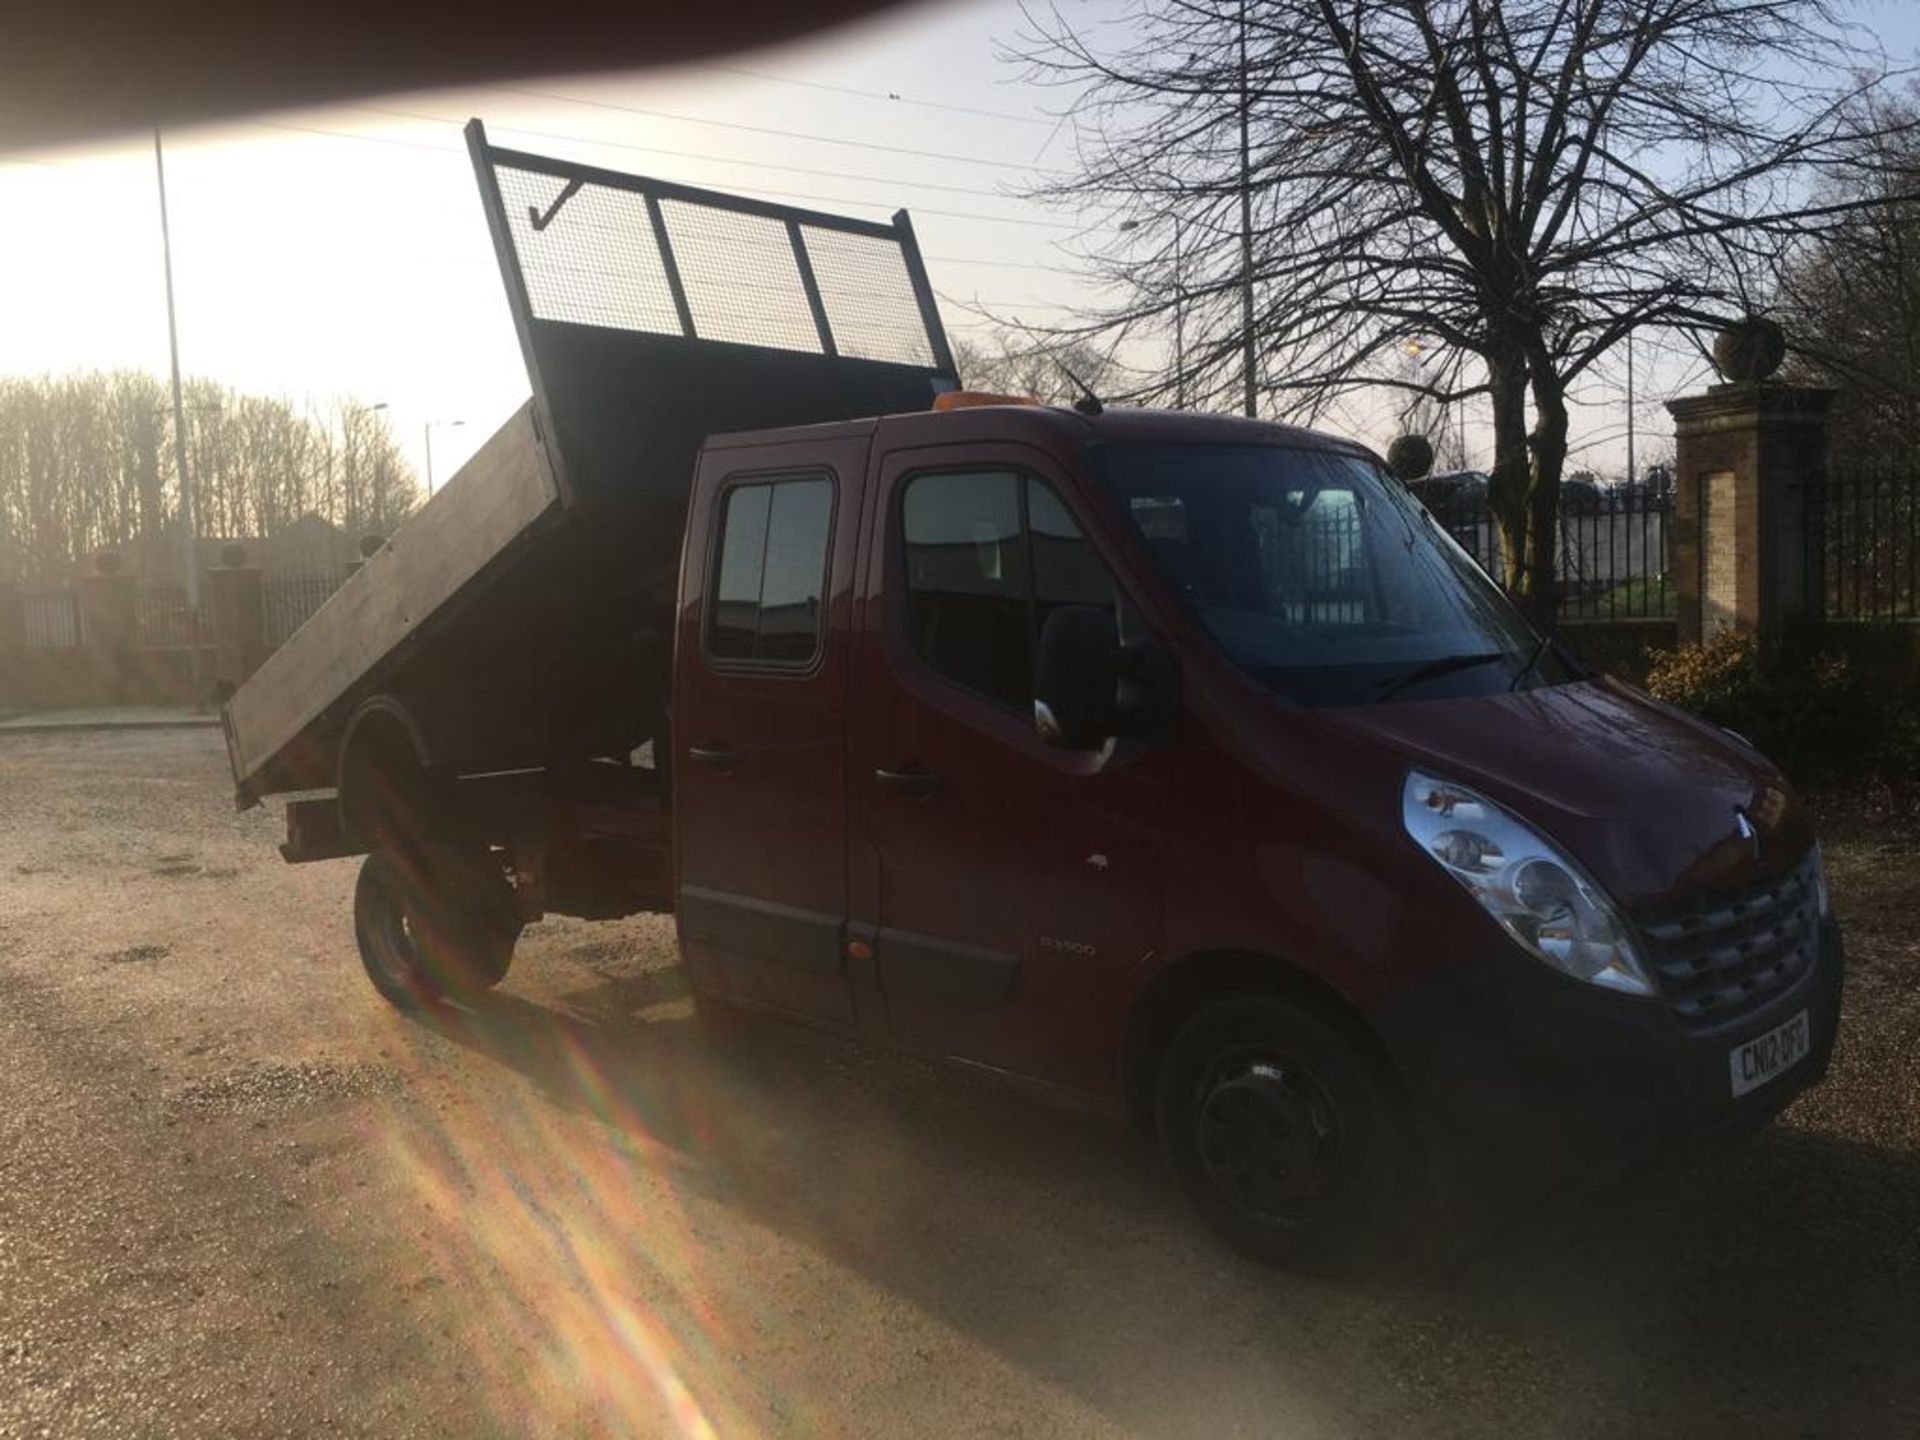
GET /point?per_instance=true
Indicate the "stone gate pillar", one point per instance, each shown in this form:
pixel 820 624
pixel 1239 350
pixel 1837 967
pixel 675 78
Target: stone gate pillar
pixel 13 645
pixel 238 617
pixel 109 620
pixel 1749 456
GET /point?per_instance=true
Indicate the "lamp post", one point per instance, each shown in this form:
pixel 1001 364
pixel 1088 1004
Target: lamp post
pixel 1248 383
pixel 189 551
pixel 189 560
pixel 429 438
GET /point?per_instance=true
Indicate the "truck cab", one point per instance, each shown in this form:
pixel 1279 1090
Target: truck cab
pixel 1184 762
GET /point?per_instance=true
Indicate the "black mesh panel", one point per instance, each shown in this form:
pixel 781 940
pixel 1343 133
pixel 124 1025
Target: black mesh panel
pixel 742 282
pixel 595 263
pixel 868 296
pixel 589 253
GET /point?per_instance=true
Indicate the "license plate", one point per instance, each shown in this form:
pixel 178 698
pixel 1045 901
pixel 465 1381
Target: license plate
pixel 1760 1059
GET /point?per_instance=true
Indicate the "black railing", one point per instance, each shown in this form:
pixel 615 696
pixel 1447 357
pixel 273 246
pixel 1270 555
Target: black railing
pixel 1612 555
pixel 1863 545
pixel 162 621
pixel 51 619
pixel 289 600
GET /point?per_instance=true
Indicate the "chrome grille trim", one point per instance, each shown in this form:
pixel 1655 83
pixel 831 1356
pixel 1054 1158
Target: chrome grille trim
pixel 1720 963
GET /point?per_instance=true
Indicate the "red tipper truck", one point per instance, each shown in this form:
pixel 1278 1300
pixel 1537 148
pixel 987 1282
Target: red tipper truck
pixel 1174 760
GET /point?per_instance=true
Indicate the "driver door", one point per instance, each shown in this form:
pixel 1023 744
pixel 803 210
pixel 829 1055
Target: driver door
pixel 1009 888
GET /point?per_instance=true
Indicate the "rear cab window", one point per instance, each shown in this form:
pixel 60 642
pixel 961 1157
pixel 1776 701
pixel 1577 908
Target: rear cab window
pixel 766 597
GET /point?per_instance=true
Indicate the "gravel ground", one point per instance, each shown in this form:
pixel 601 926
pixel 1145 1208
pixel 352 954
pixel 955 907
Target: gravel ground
pixel 240 1196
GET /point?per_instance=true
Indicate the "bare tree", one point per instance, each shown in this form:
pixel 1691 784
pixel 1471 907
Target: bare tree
pixel 87 463
pixel 139 415
pixel 391 494
pixel 1851 301
pixel 1515 185
pixel 1422 411
pixel 376 487
pixel 1049 368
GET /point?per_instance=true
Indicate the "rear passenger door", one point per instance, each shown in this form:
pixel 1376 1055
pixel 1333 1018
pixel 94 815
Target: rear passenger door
pixel 760 684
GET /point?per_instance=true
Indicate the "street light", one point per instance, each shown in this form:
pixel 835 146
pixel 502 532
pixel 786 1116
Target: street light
pixel 429 438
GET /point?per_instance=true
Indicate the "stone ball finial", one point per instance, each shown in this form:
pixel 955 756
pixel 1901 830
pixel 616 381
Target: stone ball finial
pixel 370 545
pixel 1749 349
pixel 233 555
pixel 107 562
pixel 1410 457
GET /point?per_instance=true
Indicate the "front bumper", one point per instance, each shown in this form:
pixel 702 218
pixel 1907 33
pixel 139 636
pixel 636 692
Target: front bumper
pixel 1515 1072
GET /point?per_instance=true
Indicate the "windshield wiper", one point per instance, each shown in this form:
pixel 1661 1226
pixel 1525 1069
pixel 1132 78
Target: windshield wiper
pixel 1533 659
pixel 1434 669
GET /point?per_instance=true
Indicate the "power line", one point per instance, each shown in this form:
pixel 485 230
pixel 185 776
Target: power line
pixel 987 309
pixel 891 96
pixel 710 158
pixel 707 156
pixel 767 130
pixel 784 194
pixel 767 165
pixel 999 264
pixel 352 135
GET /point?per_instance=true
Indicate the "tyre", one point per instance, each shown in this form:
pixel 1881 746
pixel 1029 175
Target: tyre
pixel 433 924
pixel 1286 1135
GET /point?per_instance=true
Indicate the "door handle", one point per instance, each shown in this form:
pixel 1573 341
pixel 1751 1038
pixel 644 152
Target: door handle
pixel 910 782
pixel 719 757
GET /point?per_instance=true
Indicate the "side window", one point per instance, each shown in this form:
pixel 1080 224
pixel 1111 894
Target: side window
pixel 989 554
pixel 770 572
pixel 1066 568
pixel 967 582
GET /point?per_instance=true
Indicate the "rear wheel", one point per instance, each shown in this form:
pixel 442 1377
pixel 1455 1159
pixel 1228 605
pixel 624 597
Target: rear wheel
pixel 433 923
pixel 1284 1133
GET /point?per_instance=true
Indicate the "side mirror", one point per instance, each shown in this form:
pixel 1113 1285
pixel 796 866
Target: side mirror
pixel 1076 678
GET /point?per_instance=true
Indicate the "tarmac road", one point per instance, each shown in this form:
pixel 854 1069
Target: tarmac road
pixel 240 1196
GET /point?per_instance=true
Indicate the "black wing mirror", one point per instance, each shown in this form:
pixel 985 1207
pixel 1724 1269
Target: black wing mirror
pixel 1090 687
pixel 1076 678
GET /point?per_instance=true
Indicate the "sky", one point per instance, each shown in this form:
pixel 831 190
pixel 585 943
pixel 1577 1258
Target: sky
pixel 342 251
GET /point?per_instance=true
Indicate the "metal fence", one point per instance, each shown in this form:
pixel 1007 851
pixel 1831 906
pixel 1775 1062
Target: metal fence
pixel 290 599
pixel 1863 545
pixel 1612 559
pixel 52 619
pixel 161 619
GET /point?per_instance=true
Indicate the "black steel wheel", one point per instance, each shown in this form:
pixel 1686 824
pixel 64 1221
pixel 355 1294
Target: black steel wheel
pixel 1269 1136
pixel 433 925
pixel 1285 1133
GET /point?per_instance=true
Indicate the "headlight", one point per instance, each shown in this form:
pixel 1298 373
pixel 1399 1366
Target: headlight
pixel 1539 896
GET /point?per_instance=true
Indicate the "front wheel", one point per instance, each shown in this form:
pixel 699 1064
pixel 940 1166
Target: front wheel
pixel 1285 1135
pixel 433 924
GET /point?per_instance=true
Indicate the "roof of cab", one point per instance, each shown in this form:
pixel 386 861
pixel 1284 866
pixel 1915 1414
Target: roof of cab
pixel 1054 427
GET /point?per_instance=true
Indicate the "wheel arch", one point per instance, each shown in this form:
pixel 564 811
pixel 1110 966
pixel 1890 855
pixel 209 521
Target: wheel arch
pixel 384 761
pixel 1183 986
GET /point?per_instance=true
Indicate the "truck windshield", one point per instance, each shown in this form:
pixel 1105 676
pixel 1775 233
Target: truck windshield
pixel 1320 576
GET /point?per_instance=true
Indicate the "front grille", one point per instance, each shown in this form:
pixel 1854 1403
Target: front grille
pixel 1721 963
